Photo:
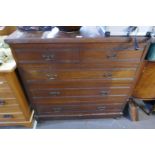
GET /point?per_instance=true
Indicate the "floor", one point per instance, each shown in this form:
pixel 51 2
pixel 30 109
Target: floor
pixel 146 122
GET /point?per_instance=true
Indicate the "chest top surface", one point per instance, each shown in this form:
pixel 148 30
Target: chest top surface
pixel 56 36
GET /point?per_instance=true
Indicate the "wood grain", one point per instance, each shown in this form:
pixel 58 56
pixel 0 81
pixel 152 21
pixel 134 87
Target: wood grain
pixel 145 88
pixel 76 70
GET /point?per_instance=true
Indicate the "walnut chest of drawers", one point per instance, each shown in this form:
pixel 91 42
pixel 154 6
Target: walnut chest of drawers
pixel 14 109
pixel 76 76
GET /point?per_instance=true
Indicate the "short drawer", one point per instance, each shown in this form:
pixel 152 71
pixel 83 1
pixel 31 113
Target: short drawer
pixel 10 109
pixel 79 74
pixel 84 99
pixel 110 52
pixel 6 93
pixel 47 55
pixel 4 85
pixel 77 109
pixel 10 101
pixel 11 118
pixel 100 56
pixel 2 79
pixel 118 91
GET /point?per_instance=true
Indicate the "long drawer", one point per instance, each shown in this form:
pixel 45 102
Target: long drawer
pixel 76 57
pixel 78 74
pixel 47 84
pixel 113 91
pixel 72 100
pixel 62 53
pixel 76 66
pixel 44 109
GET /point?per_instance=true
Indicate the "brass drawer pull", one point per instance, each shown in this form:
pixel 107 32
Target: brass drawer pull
pixel 107 75
pixel 48 57
pixel 104 92
pixel 51 76
pixel 1 82
pixel 100 108
pixel 112 56
pixel 7 116
pixel 57 109
pixel 2 102
pixel 54 93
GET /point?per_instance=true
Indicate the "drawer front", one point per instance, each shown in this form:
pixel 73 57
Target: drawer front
pixel 8 102
pixel 4 85
pixel 78 74
pixel 76 66
pixel 78 84
pixel 11 117
pixel 80 92
pixel 6 93
pixel 100 56
pixel 72 100
pixel 68 55
pixel 2 78
pixel 77 109
pixel 10 109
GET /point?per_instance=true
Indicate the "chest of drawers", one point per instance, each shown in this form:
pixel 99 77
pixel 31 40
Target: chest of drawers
pixel 14 109
pixel 68 77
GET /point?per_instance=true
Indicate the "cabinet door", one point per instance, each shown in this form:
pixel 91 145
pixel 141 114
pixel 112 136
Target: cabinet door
pixel 145 87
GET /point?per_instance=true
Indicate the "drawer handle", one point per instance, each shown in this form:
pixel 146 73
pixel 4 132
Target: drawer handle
pixel 54 93
pixel 104 92
pixel 100 108
pixel 7 116
pixel 48 57
pixel 2 102
pixel 1 82
pixel 112 56
pixel 51 76
pixel 107 75
pixel 57 109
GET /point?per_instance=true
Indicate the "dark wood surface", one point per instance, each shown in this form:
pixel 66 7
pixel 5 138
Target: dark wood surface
pixel 73 74
pixel 62 37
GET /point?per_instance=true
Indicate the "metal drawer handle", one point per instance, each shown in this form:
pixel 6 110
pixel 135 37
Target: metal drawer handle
pixel 107 75
pixel 57 109
pixel 51 76
pixel 100 108
pixel 1 82
pixel 112 56
pixel 2 102
pixel 48 57
pixel 54 93
pixel 104 92
pixel 7 116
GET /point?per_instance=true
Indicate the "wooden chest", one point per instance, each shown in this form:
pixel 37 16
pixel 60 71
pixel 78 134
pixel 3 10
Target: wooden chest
pixel 14 109
pixel 70 75
pixel 145 89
